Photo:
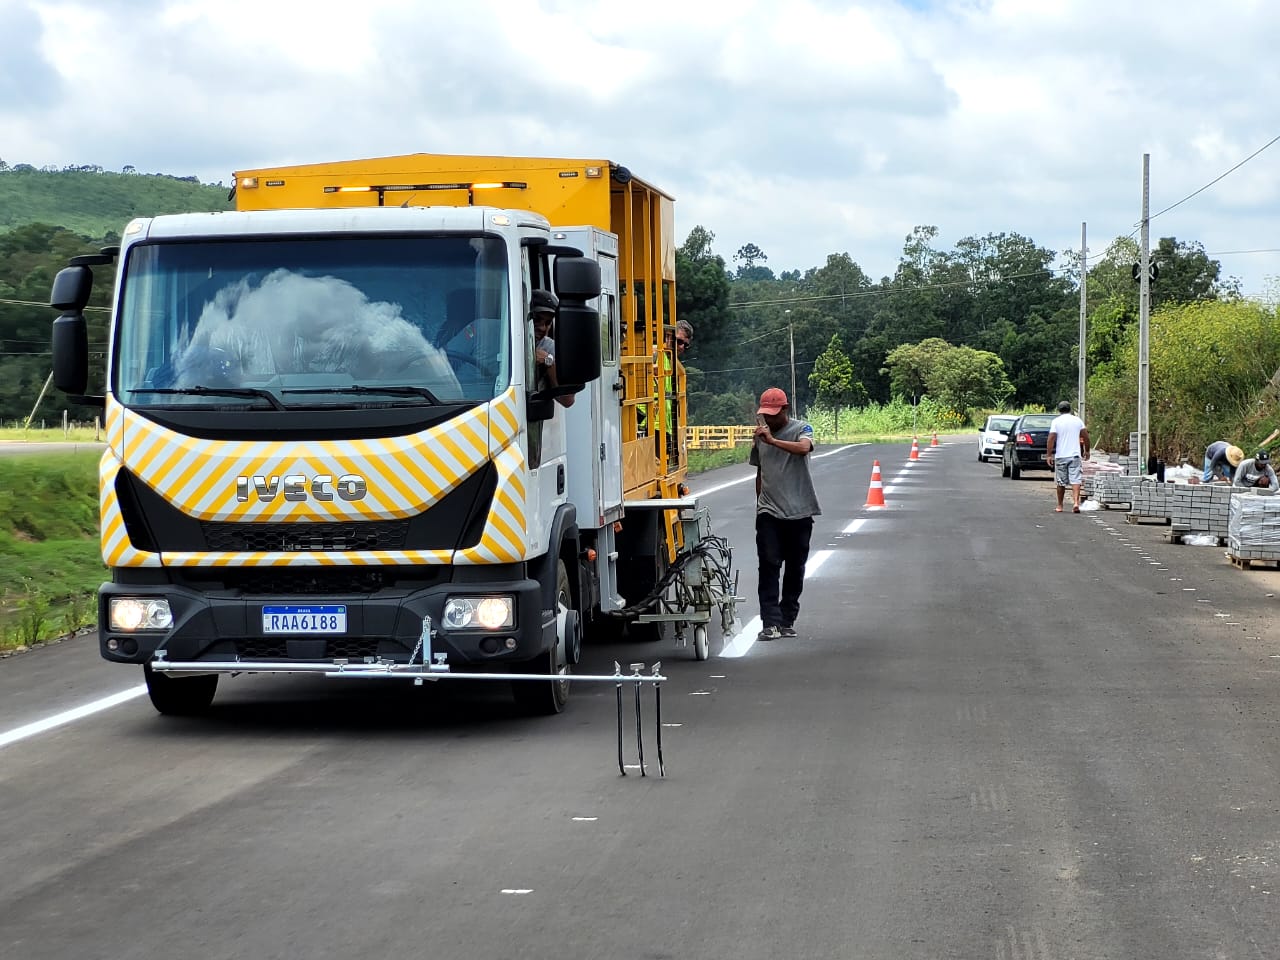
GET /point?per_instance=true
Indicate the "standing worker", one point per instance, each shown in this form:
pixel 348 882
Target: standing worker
pixel 1068 445
pixel 786 504
pixel 1256 472
pixel 1220 461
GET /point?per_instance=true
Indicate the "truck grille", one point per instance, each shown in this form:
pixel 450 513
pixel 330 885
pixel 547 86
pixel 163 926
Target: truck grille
pixel 300 537
pixel 275 648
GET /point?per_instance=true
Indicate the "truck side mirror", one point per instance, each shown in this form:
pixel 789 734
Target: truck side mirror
pixel 71 354
pixel 577 344
pixel 71 289
pixel 577 278
pixel 70 294
pixel 577 325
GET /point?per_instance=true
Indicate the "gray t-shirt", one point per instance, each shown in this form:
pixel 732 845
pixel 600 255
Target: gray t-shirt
pixel 1250 472
pixel 786 489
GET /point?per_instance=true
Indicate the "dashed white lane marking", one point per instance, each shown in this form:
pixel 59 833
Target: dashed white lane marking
pixel 70 716
pixel 854 525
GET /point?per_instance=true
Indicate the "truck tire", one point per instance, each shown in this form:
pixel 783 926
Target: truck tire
pixel 180 696
pixel 548 697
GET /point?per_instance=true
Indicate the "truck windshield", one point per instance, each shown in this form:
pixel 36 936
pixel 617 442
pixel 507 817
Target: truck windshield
pixel 305 322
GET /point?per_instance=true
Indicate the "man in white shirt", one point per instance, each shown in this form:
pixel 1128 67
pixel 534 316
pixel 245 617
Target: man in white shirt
pixel 1068 445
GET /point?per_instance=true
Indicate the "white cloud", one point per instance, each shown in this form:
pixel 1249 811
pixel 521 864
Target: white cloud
pixel 807 128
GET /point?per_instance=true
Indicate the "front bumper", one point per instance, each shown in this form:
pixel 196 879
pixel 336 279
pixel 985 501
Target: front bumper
pixel 226 627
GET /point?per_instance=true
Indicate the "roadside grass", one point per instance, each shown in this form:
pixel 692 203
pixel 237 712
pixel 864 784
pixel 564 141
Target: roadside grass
pixel 35 435
pixel 50 559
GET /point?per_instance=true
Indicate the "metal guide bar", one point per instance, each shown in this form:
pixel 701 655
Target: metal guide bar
pixel 420 673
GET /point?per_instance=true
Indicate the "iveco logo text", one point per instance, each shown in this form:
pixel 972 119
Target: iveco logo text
pixel 296 486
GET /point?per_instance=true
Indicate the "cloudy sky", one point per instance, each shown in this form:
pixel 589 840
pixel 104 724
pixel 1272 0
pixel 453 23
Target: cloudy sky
pixel 807 127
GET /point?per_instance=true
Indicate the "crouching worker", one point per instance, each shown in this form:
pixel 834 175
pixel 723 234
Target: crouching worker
pixel 1220 461
pixel 1256 472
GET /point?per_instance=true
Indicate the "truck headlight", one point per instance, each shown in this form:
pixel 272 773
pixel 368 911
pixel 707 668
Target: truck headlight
pixel 140 613
pixel 486 613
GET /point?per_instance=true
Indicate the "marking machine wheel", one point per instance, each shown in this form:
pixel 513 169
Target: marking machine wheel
pixel 701 646
pixel 180 696
pixel 548 697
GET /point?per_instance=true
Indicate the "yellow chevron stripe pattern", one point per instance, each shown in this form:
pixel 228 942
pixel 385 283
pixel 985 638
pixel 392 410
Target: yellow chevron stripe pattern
pixel 504 539
pixel 404 477
pixel 117 550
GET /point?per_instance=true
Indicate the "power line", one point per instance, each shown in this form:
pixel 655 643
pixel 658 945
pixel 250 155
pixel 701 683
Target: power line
pixel 1269 143
pixel 32 303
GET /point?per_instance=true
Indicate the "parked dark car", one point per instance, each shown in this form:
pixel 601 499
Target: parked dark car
pixel 1026 444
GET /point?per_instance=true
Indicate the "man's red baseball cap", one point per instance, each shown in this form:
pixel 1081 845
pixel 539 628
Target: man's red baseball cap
pixel 772 401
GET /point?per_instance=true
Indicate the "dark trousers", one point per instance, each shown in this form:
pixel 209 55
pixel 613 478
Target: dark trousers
pixel 782 546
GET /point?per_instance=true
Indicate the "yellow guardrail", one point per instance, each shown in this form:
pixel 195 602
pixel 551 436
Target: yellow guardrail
pixel 717 438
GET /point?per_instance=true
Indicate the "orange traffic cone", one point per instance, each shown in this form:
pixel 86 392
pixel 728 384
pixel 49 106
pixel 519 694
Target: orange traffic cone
pixel 934 442
pixel 875 495
pixel 915 450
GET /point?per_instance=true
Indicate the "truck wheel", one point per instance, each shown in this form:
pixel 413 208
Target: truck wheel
pixel 180 696
pixel 547 697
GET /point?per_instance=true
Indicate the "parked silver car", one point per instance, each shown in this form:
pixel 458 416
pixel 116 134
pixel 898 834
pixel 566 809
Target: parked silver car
pixel 992 436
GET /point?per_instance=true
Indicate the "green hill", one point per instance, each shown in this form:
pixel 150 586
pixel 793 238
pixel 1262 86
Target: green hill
pixel 98 204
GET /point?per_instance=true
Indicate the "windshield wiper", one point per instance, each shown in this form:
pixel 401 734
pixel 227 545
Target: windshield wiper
pixel 201 391
pixel 395 391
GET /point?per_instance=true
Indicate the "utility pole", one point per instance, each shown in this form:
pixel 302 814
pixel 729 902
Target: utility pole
pixel 1084 274
pixel 791 335
pixel 1144 321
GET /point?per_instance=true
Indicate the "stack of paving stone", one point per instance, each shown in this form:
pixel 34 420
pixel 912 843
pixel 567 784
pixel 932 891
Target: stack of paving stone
pixel 1253 529
pixel 1113 488
pixel 1092 469
pixel 1131 464
pixel 1152 499
pixel 1202 507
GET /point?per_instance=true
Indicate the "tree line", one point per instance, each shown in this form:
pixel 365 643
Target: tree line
pixel 990 324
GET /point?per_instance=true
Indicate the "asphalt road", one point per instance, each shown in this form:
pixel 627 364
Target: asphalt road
pixel 1002 733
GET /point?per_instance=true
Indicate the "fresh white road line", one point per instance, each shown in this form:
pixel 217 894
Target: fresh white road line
pixel 70 716
pixel 814 562
pixel 733 483
pixel 746 638
pixel 744 641
pixel 854 525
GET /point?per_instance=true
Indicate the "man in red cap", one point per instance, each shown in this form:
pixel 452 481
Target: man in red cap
pixel 786 504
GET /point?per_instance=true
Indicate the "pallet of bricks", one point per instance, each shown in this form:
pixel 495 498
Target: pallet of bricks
pixel 1110 488
pixel 1253 530
pixel 1201 508
pixel 1151 500
pixel 1092 469
pixel 1113 489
